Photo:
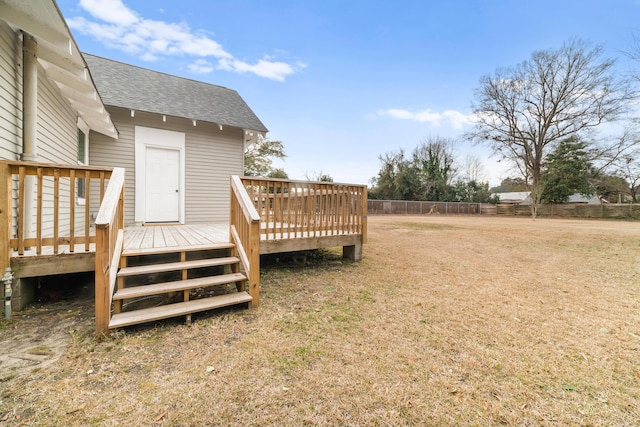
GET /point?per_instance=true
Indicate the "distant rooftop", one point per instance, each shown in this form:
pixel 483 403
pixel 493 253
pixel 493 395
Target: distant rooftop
pixel 135 88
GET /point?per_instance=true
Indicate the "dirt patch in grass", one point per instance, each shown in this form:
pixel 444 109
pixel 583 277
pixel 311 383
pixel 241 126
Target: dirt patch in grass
pixel 447 321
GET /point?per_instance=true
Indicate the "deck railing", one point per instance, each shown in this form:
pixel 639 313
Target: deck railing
pixel 304 209
pixel 244 231
pixel 109 244
pixel 40 206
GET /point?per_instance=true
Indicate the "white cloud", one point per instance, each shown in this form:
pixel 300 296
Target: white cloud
pixel 264 68
pixel 112 11
pixel 454 118
pixel 119 27
pixel 201 66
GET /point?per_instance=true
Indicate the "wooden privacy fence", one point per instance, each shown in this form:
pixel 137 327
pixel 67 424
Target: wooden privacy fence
pixel 304 209
pixel 41 207
pixel 575 210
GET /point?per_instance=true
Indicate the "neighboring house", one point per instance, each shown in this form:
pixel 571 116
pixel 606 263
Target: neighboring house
pixel 180 141
pixel 579 198
pixel 524 198
pixel 514 198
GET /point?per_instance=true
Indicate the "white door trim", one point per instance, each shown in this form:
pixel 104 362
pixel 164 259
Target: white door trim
pixel 159 138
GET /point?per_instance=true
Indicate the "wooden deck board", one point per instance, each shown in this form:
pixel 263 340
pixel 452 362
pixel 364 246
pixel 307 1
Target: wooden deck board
pixel 158 237
pixel 177 309
pixel 180 285
pixel 188 236
pixel 168 237
pixel 147 238
pixel 172 234
pixel 175 266
pixel 205 233
pixel 133 237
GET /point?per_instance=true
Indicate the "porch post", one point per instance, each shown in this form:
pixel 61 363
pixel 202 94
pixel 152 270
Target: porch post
pixel 5 217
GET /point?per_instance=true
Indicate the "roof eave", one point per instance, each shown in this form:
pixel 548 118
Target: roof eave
pixel 61 59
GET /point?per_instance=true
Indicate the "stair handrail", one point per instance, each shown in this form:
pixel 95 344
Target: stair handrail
pixel 244 232
pixel 109 244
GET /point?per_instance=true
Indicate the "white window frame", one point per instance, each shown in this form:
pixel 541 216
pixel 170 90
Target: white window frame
pixel 84 128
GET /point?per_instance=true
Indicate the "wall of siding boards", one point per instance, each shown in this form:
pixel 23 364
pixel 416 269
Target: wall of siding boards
pixel 211 157
pixel 56 132
pixel 10 95
pixel 56 119
pixel 57 143
pixel 10 103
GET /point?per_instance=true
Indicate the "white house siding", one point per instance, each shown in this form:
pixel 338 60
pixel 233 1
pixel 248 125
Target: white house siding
pixel 57 143
pixel 106 151
pixel 10 102
pixel 212 156
pixel 56 137
pixel 10 95
pixel 57 125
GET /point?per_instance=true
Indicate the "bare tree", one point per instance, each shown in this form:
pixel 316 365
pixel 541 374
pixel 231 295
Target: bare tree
pixel 629 170
pixel 522 111
pixel 318 176
pixel 473 168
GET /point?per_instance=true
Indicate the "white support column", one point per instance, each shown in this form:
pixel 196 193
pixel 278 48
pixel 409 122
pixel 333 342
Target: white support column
pixel 29 123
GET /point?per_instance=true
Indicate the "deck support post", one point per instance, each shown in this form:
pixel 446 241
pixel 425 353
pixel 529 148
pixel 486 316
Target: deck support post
pixel 254 260
pixel 102 309
pixel 5 220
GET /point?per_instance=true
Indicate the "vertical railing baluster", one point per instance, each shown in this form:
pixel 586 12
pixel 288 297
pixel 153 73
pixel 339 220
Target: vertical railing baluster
pixel 21 205
pixel 39 214
pixel 87 209
pixel 56 210
pixel 72 210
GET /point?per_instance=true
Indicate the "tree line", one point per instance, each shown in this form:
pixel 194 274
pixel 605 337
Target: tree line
pixel 542 116
pixel 429 173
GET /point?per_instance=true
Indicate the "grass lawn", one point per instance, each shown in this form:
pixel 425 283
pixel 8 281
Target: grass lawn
pixel 447 321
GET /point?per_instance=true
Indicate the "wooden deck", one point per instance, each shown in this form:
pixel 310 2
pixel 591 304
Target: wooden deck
pixel 166 236
pixel 135 238
pixel 58 236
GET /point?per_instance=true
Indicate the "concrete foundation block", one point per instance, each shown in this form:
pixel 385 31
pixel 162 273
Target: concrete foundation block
pixel 354 253
pixel 23 293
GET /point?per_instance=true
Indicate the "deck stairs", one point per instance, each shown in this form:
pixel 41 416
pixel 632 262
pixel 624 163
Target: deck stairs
pixel 155 284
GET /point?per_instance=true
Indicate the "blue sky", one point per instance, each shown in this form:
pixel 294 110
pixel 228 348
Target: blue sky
pixel 341 82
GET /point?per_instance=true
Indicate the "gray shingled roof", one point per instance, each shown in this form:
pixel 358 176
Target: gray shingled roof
pixel 128 86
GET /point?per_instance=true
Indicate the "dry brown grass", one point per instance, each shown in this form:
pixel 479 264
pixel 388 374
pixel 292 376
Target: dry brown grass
pixel 447 321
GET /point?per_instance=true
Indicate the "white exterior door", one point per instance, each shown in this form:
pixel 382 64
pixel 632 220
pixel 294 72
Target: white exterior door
pixel 163 185
pixel 159 175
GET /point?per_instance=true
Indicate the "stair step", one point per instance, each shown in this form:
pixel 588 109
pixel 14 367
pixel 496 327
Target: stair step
pixel 173 266
pixel 179 285
pixel 176 249
pixel 178 309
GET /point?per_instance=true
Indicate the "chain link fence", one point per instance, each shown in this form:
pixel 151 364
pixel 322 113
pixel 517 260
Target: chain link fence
pixel 568 210
pixel 402 207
